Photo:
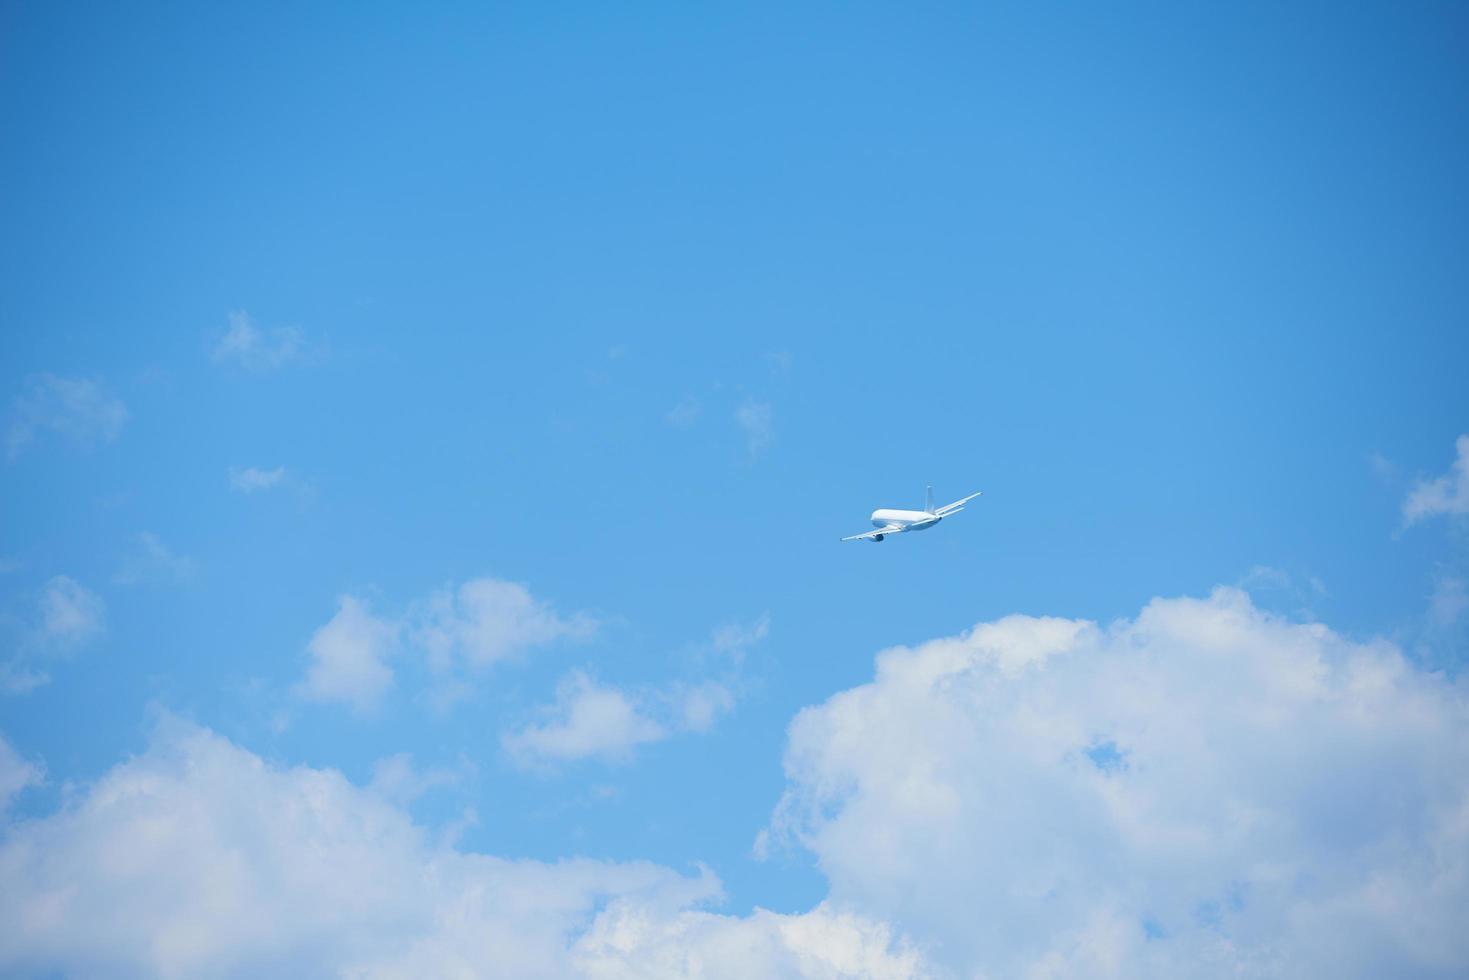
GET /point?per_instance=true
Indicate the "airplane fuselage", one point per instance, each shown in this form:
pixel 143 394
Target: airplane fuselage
pixel 889 520
pixel 910 520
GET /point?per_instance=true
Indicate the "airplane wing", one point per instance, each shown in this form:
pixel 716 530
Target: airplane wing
pixel 956 506
pixel 889 529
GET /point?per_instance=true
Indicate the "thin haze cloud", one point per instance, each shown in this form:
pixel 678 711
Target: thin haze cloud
pixel 15 773
pixel 76 409
pixel 685 413
pixel 253 479
pixel 756 420
pixel 153 561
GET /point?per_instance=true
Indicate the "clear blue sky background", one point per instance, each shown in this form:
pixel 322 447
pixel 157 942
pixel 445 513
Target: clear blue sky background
pixel 1160 281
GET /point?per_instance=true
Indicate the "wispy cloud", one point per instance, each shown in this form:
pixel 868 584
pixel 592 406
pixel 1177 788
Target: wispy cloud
pixel 70 613
pixel 74 408
pixel 253 479
pixel 55 622
pixel 1447 494
pixel 15 773
pixel 685 413
pixel 246 345
pixel 1382 467
pixel 733 639
pixel 152 561
pixel 755 419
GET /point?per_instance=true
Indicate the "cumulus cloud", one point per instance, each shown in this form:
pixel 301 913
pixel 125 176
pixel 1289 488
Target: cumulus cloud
pixel 246 345
pixel 756 420
pixel 587 721
pixel 1447 494
pixel 455 631
pixel 1206 790
pixel 252 479
pixel 199 859
pixel 153 561
pixel 74 408
pixel 349 657
pixel 592 720
pixel 487 620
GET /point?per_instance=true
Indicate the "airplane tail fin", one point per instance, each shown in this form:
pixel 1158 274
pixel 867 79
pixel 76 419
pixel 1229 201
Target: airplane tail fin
pixel 928 501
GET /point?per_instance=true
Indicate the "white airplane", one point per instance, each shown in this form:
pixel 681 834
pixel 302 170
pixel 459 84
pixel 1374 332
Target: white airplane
pixel 898 521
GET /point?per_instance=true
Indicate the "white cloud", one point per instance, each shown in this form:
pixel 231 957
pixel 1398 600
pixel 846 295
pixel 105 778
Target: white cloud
pixel 626 942
pixel 199 859
pixel 252 479
pixel 590 720
pixel 756 420
pixel 246 345
pixel 153 562
pixel 349 657
pixel 15 773
pixel 74 408
pixel 1447 494
pixel 1204 791
pixel 456 631
pixel 70 613
pixel 587 721
pixel 487 620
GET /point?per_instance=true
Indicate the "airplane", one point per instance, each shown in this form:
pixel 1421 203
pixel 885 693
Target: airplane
pixel 898 521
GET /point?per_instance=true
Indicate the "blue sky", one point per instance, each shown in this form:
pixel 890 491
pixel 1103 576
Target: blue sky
pixel 641 309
